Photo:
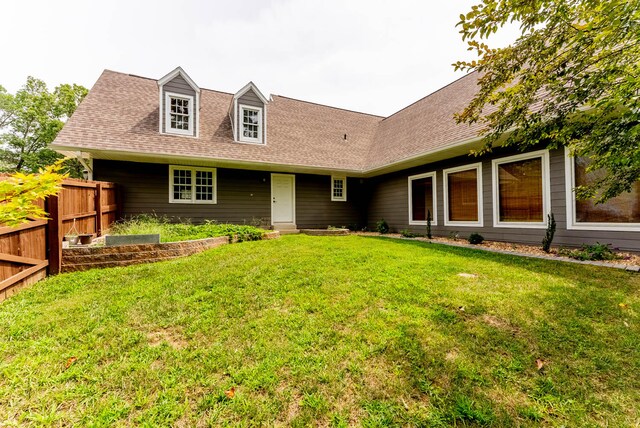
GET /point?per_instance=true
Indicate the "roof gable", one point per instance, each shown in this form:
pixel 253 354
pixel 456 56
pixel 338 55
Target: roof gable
pixel 172 75
pixel 251 87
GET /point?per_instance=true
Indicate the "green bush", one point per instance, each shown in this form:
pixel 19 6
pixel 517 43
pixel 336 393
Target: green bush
pixel 475 239
pixel 382 226
pixel 406 233
pixel 592 252
pixel 185 230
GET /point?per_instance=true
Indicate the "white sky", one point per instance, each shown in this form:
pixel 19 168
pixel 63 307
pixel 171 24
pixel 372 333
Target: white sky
pixel 371 56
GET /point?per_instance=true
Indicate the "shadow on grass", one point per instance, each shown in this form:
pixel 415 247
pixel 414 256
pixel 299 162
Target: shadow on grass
pixel 566 341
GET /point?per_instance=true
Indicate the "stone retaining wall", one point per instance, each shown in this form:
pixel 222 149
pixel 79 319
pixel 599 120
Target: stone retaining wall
pixel 83 258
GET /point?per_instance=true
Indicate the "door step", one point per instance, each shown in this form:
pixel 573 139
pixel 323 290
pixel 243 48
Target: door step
pixel 286 228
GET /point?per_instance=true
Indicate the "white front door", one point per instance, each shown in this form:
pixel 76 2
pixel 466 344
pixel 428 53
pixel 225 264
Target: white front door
pixel 283 198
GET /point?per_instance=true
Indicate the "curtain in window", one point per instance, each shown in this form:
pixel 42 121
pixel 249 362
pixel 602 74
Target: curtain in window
pixel 421 198
pixel 520 191
pixel 463 195
pixel 624 208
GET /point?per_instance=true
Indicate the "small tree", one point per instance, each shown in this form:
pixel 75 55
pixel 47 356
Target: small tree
pixel 548 236
pixel 20 192
pixel 429 224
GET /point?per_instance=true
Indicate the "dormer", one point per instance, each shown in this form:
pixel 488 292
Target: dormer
pixel 248 114
pixel 179 104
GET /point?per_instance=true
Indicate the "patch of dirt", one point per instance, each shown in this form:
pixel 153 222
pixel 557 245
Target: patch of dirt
pixel 467 275
pixel 452 355
pixel 629 259
pixel 170 336
pixel 498 323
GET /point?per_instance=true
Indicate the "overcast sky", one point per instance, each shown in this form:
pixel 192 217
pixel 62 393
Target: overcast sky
pixel 370 56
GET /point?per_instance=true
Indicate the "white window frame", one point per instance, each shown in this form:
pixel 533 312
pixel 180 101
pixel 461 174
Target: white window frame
pixel 434 210
pixel 546 190
pixel 193 199
pixel 344 188
pixel 241 137
pixel 445 184
pixel 572 224
pixel 167 115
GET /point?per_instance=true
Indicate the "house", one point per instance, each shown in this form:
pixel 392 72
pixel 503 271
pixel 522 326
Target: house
pixel 186 152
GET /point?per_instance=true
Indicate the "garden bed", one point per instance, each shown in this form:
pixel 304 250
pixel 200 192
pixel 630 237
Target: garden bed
pixel 626 260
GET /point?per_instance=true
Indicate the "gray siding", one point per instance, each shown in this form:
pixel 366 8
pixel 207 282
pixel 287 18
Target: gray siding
pixel 389 200
pixel 179 86
pixel 243 196
pixel 251 99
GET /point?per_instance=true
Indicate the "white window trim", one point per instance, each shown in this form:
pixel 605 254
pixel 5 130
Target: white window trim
pixel 193 185
pixel 572 224
pixel 445 173
pixel 434 210
pixel 546 190
pixel 167 115
pixel 241 137
pixel 344 188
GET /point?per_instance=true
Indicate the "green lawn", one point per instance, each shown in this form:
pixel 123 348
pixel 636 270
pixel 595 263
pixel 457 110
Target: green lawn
pixel 331 331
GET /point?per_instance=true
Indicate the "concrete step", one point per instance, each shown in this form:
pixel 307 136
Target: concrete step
pixel 288 231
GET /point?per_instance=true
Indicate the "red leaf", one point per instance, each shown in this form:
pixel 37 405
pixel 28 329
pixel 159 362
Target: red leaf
pixel 231 392
pixel 70 362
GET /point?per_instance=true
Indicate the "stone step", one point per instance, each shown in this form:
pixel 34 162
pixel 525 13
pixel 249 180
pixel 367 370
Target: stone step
pixel 288 231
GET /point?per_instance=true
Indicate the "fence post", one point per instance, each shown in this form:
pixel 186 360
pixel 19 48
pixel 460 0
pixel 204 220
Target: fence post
pixel 54 234
pixel 98 202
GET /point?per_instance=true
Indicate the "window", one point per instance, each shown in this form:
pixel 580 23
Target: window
pixel 619 213
pixel 422 198
pixel 521 190
pixel 192 185
pixel 463 196
pixel 338 188
pixel 250 124
pixel 179 114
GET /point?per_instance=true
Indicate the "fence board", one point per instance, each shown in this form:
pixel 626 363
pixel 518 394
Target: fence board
pixel 29 250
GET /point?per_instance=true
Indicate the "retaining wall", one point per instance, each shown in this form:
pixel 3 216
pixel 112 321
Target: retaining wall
pixel 83 258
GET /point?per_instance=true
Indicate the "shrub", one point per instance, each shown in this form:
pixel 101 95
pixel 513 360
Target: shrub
pixel 382 226
pixel 429 224
pixel 406 233
pixel 475 239
pixel 548 236
pixel 593 252
pixel 454 234
pixel 172 232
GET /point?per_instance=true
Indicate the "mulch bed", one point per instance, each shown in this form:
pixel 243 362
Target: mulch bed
pixel 627 259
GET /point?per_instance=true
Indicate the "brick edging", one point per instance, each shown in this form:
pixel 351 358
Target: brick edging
pixel 83 258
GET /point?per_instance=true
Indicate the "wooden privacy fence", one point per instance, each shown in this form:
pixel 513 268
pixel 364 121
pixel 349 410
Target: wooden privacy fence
pixel 28 251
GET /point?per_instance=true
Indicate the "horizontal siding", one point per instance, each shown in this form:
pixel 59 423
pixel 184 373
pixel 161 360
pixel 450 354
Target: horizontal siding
pixel 243 196
pixel 315 209
pixel 389 200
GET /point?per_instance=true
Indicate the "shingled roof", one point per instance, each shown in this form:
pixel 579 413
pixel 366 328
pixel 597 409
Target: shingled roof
pixel 120 116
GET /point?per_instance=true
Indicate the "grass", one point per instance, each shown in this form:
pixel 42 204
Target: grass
pixel 173 232
pixel 333 331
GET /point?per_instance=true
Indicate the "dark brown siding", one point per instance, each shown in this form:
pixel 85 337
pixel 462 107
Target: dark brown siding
pixel 179 86
pixel 315 209
pixel 389 200
pixel 243 196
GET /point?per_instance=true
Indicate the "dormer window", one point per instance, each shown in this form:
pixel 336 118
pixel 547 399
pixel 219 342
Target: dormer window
pixel 179 117
pixel 251 124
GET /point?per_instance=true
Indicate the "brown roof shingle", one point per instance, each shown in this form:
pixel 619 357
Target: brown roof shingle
pixel 120 114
